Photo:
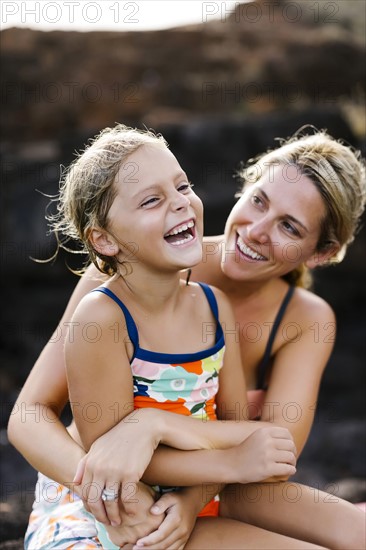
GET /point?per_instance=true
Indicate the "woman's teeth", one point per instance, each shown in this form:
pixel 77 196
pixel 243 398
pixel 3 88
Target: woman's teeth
pixel 248 251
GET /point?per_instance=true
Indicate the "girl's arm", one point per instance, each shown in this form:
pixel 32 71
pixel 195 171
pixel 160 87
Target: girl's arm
pixel 298 366
pixel 98 368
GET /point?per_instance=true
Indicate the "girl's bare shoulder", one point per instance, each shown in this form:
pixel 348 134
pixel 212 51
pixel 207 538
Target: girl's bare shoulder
pixel 97 307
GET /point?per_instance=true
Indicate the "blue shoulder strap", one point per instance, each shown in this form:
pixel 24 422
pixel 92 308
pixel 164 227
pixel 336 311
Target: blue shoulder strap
pixel 211 298
pixel 130 323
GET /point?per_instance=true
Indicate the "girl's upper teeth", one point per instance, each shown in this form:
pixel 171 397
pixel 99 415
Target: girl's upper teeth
pixel 248 251
pixel 181 228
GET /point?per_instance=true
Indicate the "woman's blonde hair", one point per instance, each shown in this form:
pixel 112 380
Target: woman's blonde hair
pixel 337 171
pixel 87 189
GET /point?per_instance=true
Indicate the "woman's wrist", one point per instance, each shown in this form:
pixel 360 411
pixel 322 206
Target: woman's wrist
pixel 154 423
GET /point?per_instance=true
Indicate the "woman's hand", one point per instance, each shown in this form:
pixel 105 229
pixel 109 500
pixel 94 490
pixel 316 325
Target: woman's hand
pixel 180 508
pixel 116 462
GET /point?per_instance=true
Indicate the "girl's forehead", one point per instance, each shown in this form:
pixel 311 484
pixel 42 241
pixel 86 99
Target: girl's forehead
pixel 150 164
pixel 150 156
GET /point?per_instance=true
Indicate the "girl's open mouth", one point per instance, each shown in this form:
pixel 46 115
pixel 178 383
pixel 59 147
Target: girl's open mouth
pixel 181 234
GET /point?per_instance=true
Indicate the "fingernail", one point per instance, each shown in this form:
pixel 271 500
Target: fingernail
pixel 155 509
pixel 114 523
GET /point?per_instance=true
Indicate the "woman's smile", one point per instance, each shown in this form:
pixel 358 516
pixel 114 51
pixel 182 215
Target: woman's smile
pixel 247 252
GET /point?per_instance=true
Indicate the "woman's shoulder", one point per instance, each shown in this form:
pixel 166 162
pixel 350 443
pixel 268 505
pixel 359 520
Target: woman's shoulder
pixel 309 307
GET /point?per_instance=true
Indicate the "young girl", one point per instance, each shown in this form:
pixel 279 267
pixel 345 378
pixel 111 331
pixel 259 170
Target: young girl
pixel 254 281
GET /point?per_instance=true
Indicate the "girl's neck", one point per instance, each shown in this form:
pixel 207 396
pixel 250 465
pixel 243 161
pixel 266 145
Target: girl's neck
pixel 150 291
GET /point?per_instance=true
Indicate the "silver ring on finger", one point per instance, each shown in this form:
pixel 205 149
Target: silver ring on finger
pixel 109 495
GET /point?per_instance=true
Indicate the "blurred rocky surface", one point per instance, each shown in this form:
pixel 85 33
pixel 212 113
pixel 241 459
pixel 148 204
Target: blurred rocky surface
pixel 261 57
pixel 220 92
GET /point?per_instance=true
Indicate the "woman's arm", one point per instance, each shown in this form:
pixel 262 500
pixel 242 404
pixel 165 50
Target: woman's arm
pixel 298 366
pixel 34 425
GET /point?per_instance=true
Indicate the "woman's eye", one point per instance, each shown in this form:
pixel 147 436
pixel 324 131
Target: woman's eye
pixel 290 228
pixel 257 201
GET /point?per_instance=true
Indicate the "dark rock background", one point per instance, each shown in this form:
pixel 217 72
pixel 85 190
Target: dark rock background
pixel 220 92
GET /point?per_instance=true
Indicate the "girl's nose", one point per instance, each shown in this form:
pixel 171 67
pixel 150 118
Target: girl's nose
pixel 180 201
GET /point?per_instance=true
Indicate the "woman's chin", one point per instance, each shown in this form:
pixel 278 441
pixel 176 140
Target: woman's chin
pixel 236 271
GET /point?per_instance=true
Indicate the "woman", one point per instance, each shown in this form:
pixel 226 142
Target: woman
pixel 299 208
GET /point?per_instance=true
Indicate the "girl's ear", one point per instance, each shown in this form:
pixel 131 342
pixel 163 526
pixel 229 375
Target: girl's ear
pixel 103 242
pixel 324 256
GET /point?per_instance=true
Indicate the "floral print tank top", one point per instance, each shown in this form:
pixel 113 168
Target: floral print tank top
pixel 184 383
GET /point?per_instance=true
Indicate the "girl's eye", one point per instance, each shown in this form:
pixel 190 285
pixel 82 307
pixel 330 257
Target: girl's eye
pixel 185 187
pixel 149 202
pixel 290 229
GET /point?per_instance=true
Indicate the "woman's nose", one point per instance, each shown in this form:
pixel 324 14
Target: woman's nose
pixel 258 231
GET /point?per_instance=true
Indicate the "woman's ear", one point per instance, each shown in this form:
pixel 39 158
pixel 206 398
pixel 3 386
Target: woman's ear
pixel 103 242
pixel 324 256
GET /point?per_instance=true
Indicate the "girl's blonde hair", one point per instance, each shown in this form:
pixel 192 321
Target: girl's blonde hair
pixel 337 171
pixel 87 189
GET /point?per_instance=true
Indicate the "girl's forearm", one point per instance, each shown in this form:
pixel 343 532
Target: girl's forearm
pixel 173 467
pixel 188 433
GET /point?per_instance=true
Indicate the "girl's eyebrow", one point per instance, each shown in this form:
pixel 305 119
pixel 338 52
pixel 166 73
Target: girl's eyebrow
pixel 155 187
pixel 180 174
pixel 288 216
pixel 146 190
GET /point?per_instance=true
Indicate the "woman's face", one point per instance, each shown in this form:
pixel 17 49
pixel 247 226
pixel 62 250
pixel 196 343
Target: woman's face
pixel 274 227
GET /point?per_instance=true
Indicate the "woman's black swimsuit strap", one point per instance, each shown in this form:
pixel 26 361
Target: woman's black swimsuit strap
pixel 263 365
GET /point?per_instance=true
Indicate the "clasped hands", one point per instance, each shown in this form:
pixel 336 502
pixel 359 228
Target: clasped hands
pixel 108 480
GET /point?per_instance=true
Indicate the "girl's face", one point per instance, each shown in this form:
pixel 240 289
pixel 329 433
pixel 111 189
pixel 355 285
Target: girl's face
pixel 156 216
pixel 274 227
